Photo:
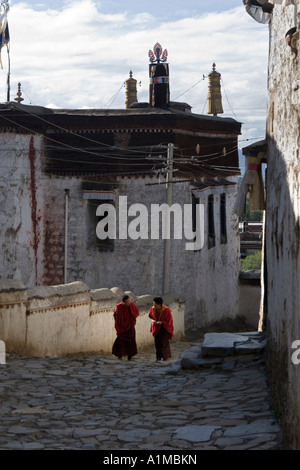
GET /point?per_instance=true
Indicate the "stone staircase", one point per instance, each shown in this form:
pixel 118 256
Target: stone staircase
pixel 224 350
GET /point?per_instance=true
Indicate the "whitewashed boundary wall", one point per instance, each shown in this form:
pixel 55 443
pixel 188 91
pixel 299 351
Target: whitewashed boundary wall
pixel 56 321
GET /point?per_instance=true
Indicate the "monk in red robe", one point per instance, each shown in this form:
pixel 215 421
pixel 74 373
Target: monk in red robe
pixel 125 315
pixel 161 328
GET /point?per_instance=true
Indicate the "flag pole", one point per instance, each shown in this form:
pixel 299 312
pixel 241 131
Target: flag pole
pixel 8 75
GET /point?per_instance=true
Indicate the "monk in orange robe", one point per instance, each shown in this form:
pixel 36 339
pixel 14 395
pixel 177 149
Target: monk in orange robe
pixel 125 315
pixel 161 328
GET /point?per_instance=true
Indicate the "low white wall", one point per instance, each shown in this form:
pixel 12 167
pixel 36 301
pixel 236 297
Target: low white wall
pixel 68 319
pixel 13 306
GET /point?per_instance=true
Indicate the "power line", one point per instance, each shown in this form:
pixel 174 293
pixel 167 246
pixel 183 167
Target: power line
pixel 115 96
pixel 126 149
pixel 80 150
pixel 187 160
pixel 67 131
pixel 228 100
pixel 193 86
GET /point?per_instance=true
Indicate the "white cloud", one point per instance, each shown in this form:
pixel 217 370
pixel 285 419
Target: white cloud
pixel 142 19
pixel 77 56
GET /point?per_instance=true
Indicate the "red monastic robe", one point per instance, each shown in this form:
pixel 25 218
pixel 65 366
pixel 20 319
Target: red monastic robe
pixel 125 317
pixel 165 316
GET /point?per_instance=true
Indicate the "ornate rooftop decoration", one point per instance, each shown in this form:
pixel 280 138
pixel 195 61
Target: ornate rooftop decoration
pixel 158 55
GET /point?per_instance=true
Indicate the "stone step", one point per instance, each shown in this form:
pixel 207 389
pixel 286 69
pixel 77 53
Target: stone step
pixel 224 349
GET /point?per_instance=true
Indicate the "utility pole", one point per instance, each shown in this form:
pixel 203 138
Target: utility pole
pixel 167 244
pixel 8 75
pixel 67 194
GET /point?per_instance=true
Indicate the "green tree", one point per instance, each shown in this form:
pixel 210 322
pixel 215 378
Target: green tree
pixel 251 216
pixel 251 262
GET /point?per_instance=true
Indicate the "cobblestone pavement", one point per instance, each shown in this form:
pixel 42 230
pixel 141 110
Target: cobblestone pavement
pixel 101 403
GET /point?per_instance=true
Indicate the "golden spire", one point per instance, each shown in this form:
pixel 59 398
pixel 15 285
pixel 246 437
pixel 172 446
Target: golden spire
pixel 19 98
pixel 214 93
pixel 130 90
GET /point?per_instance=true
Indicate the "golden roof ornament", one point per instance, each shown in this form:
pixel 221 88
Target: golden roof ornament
pixel 19 98
pixel 130 91
pixel 214 100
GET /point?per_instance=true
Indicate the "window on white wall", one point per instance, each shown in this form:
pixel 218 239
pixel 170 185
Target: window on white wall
pixel 195 201
pixel 211 222
pixel 103 244
pixel 195 205
pixel 94 199
pixel 223 222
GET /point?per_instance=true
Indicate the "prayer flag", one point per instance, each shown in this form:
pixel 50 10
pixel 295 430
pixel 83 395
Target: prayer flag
pixel 4 34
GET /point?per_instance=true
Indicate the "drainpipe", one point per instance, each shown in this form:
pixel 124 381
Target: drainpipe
pixel 167 245
pixel 296 15
pixel 67 193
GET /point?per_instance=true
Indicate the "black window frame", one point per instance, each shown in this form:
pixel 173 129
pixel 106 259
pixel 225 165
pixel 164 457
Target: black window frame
pixel 211 221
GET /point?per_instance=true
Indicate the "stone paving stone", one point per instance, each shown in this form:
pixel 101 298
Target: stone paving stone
pixel 33 446
pixel 134 434
pixel 20 430
pixel 170 421
pixel 81 432
pixel 89 447
pixel 14 445
pixel 160 437
pixel 30 410
pixel 94 403
pixel 227 442
pixel 196 433
pixel 258 427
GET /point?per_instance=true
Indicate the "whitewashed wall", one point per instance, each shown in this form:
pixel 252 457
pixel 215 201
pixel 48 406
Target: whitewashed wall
pixel 21 201
pixel 282 287
pixel 68 319
pixel 203 277
pixel 34 252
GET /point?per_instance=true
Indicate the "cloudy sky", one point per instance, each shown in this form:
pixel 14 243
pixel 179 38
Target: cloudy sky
pixel 78 53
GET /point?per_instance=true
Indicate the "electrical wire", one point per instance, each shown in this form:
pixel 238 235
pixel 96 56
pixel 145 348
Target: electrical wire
pixel 81 150
pixel 187 160
pixel 115 95
pixel 80 136
pixel 131 150
pixel 228 100
pixel 67 131
pixel 193 86
pixel 71 147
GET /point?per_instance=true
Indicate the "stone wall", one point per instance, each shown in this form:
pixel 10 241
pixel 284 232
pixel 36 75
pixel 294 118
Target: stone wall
pixel 71 319
pixel 282 236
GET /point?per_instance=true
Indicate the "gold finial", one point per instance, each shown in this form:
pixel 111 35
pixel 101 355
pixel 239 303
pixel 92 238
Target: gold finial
pixel 130 90
pixel 19 98
pixel 214 93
